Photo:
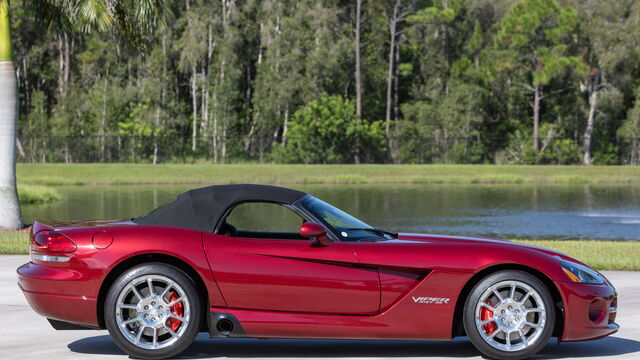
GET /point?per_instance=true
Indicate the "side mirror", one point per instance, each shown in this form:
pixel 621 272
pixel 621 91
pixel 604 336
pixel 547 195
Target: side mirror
pixel 311 229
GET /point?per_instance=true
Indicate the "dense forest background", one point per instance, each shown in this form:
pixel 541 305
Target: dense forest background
pixel 329 81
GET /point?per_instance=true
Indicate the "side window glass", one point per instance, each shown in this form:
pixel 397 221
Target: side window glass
pixel 262 220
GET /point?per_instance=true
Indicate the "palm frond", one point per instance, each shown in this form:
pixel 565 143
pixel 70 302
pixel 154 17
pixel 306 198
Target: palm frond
pixel 137 20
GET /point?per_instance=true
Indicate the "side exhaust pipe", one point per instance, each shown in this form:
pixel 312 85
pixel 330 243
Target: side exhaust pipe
pixel 224 325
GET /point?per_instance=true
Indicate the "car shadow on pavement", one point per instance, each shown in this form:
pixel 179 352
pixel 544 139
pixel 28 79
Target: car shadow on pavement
pixel 204 347
pixel 609 346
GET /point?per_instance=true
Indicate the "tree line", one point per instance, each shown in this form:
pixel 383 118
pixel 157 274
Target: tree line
pixel 336 81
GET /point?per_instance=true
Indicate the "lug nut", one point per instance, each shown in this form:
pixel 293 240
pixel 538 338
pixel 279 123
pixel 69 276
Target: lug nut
pixel 509 307
pixel 160 307
pixel 153 303
pixel 503 311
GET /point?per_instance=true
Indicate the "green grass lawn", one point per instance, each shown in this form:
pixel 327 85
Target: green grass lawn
pixel 12 243
pixel 120 174
pixel 36 194
pixel 601 255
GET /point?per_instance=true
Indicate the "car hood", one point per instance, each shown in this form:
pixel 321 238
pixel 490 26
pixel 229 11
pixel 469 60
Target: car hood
pixel 454 239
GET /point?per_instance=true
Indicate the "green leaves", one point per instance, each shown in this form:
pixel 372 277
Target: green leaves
pixel 326 131
pixel 438 13
pixel 550 64
pixel 135 19
pixel 139 122
pixel 91 14
pixel 631 126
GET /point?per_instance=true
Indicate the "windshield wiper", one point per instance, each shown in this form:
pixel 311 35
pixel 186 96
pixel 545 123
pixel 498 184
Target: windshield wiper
pixel 376 231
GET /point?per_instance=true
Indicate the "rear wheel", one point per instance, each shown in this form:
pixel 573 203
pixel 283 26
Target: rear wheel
pixel 153 311
pixel 509 315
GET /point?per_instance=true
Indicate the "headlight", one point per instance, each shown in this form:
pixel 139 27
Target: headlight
pixel 581 274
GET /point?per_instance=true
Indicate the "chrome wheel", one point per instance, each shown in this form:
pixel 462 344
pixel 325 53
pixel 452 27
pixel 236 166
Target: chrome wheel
pixel 152 312
pixel 510 316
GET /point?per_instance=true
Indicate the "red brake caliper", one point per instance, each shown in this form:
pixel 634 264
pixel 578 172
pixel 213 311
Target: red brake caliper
pixel 177 309
pixel 487 314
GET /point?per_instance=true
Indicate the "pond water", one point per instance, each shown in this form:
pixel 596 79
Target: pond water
pixel 509 211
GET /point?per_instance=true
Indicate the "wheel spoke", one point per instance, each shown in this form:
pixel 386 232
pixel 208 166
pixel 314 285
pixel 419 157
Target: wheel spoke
pixel 524 338
pixel 513 290
pixel 175 301
pixel 178 317
pixel 155 338
pixel 507 339
pixel 139 335
pixel 127 322
pixel 151 290
pixel 127 306
pixel 525 297
pixel 485 322
pixel 497 294
pixel 171 332
pixel 488 306
pixel 533 310
pixel 165 291
pixel 135 292
pixel 533 325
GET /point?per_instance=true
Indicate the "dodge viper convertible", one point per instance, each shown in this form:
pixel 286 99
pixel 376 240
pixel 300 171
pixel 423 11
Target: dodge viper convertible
pixel 268 262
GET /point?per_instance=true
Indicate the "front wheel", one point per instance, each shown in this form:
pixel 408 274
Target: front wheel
pixel 153 311
pixel 509 315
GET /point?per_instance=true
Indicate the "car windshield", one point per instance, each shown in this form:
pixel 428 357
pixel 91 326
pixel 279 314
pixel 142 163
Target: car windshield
pixel 346 226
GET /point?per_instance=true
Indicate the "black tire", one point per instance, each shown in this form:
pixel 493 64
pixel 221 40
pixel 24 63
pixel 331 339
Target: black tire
pixel 470 309
pixel 194 310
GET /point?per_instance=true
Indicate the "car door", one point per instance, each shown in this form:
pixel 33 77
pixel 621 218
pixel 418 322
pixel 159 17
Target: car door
pixel 261 263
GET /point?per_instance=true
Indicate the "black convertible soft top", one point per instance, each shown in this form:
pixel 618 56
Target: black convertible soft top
pixel 201 209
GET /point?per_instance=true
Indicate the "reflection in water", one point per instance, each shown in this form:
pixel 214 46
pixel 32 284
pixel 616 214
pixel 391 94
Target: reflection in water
pixel 529 211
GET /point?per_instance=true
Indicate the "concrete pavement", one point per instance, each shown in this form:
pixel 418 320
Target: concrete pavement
pixel 25 335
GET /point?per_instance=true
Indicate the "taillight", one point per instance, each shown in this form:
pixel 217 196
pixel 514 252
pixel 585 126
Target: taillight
pixel 52 241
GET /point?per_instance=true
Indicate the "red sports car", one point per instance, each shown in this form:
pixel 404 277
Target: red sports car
pixel 269 262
